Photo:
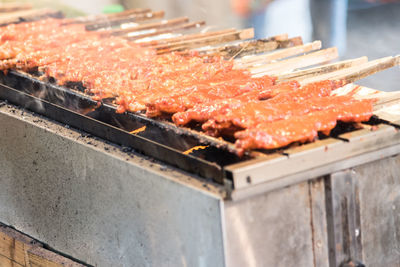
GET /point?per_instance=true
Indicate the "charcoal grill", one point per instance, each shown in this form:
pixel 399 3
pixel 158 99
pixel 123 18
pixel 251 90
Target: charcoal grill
pixel 174 196
pixel 217 159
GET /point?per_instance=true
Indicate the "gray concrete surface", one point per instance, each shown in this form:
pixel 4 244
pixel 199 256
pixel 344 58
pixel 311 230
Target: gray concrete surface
pixel 375 32
pixel 107 208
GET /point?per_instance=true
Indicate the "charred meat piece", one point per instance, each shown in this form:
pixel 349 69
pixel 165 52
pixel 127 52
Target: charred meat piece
pixel 207 111
pixel 288 99
pixel 304 127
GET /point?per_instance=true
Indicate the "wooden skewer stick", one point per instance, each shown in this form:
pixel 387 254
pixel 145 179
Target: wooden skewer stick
pixel 292 42
pixel 279 37
pixel 12 7
pixel 121 20
pixel 251 47
pixel 190 44
pixel 239 45
pixel 105 17
pixel 28 15
pixel 280 54
pixel 397 60
pixel 167 30
pixel 386 105
pixel 174 40
pixel 156 25
pixel 310 59
pixel 247 48
pixel 384 99
pixel 355 73
pixel 307 73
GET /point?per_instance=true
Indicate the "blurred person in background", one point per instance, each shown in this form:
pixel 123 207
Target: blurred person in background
pixel 329 22
pixel 329 19
pixel 324 20
pixel 273 17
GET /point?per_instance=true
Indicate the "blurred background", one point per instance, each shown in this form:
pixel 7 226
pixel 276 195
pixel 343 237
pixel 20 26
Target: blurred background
pixel 357 27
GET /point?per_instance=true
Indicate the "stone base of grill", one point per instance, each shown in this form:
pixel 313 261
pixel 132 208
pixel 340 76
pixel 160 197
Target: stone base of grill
pixel 107 207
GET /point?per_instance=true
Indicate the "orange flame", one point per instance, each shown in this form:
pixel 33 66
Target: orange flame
pixel 141 129
pixel 187 152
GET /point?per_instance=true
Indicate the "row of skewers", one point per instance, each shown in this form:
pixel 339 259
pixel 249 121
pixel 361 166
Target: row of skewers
pixel 252 91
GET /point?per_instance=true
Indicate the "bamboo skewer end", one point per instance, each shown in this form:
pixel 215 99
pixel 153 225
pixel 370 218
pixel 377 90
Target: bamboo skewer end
pixel 247 34
pixel 355 73
pixel 316 45
pixel 397 60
